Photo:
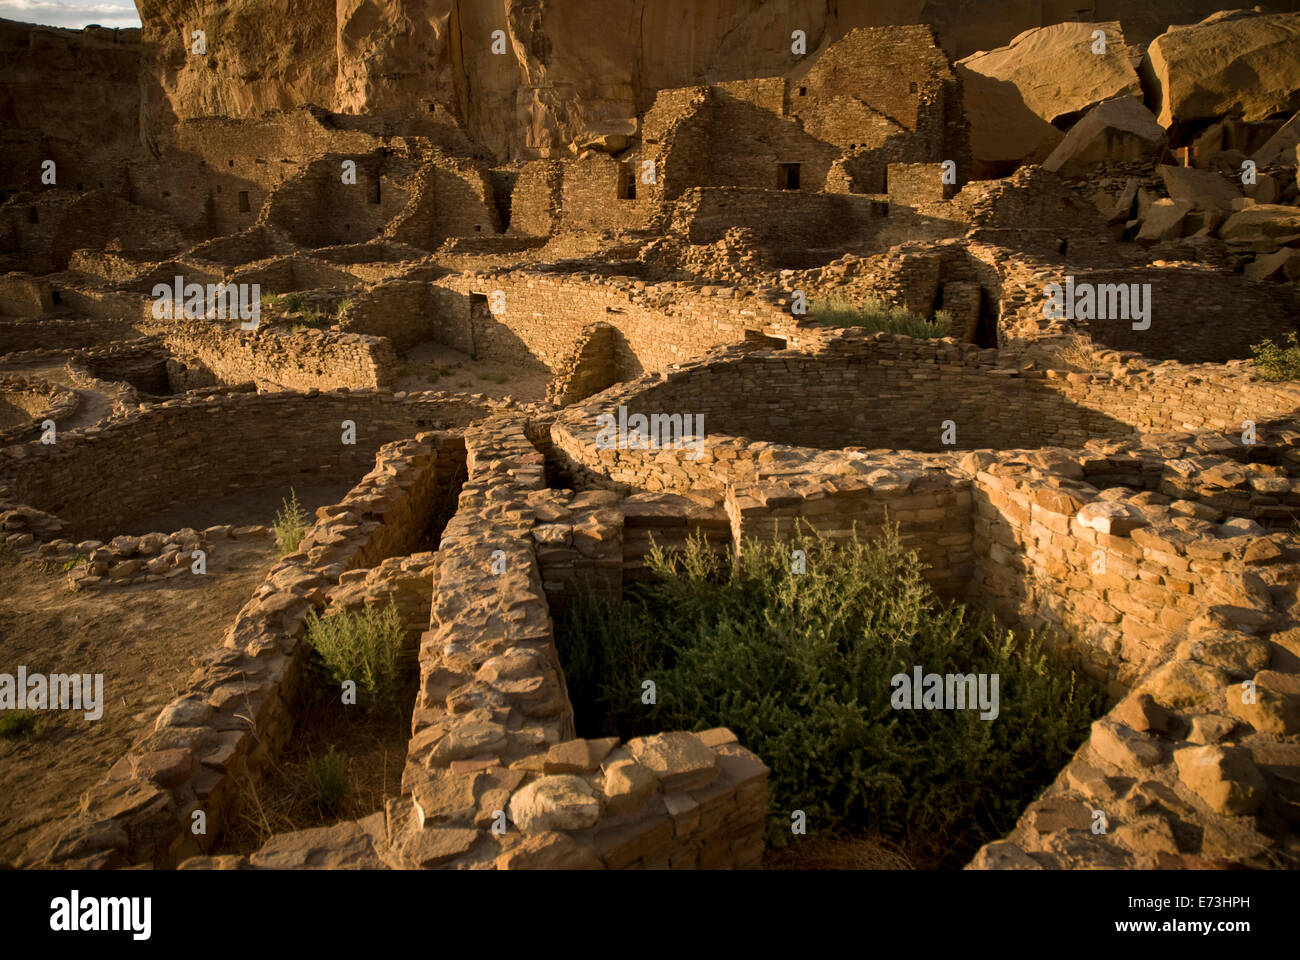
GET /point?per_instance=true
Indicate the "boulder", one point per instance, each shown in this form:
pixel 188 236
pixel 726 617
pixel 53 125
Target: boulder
pixel 1225 778
pixel 1262 221
pixel 1015 93
pixel 1164 220
pixel 1282 147
pixel 1235 63
pixel 1203 189
pixel 563 802
pixel 1283 264
pixel 1120 129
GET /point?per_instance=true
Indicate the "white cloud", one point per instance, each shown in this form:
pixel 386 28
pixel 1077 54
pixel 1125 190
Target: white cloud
pixel 55 14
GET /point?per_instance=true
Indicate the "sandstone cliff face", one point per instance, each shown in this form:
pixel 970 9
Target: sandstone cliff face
pixel 574 73
pixel 67 96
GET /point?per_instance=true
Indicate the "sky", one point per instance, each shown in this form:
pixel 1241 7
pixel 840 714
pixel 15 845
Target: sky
pixel 56 13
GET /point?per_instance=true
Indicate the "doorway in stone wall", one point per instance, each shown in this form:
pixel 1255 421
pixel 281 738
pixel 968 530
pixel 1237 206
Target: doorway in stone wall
pixel 787 176
pixel 479 313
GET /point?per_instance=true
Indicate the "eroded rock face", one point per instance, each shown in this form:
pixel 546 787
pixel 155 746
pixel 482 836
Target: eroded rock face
pixel 567 75
pixel 1015 93
pixel 1235 63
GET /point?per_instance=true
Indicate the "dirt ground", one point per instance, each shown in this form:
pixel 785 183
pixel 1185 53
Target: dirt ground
pixel 244 507
pixel 432 366
pixel 141 638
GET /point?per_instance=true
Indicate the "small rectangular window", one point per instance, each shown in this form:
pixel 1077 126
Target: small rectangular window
pixel 243 202
pixel 626 182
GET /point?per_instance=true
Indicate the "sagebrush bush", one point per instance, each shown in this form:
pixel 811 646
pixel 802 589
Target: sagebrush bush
pixel 877 316
pixel 328 781
pixel 363 646
pixel 290 524
pixel 798 666
pixel 1275 363
pixel 20 723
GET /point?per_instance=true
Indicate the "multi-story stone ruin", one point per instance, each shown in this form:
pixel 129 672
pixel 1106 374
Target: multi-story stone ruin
pixel 470 231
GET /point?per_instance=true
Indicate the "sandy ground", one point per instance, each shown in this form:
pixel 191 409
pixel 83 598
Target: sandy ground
pixel 141 638
pixel 432 366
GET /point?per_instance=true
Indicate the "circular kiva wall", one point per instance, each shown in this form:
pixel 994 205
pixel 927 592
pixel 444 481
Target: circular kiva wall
pixel 879 392
pixel 894 394
pixel 177 456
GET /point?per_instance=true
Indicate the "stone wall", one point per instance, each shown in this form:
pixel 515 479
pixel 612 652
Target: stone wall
pixel 97 484
pixel 27 402
pixel 590 367
pixel 787 223
pixel 536 199
pixel 213 741
pixel 656 324
pixel 21 295
pixel 275 360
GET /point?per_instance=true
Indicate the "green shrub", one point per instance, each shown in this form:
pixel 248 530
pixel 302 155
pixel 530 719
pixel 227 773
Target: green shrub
pixel 798 666
pixel 363 646
pixel 342 307
pixel 290 524
pixel 294 302
pixel 327 780
pixel 20 723
pixel 1274 363
pixel 876 316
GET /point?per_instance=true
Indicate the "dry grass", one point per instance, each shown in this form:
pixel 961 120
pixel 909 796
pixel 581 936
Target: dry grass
pixel 283 798
pixel 847 853
pixel 1077 355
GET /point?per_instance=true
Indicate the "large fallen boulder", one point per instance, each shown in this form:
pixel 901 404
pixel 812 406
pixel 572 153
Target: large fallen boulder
pixel 1262 222
pixel 1235 63
pixel 1203 189
pixel 1282 146
pixel 1164 220
pixel 1015 93
pixel 1121 129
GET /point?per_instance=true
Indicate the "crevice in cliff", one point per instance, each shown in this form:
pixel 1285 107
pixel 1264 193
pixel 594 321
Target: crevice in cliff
pixel 459 77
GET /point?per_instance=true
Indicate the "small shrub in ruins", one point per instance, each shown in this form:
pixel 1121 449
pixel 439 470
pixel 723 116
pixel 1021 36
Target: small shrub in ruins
pixel 290 524
pixel 20 723
pixel 364 646
pixel 1275 363
pixel 799 665
pixel 327 780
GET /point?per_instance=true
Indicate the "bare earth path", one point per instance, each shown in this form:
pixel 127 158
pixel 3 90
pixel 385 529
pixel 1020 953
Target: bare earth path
pixel 140 638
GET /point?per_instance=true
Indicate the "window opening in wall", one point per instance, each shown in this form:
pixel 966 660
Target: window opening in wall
pixel 759 338
pixel 787 176
pixel 803 91
pixel 33 216
pixel 55 297
pixel 243 202
pixel 374 190
pixel 230 163
pixel 626 182
pixel 911 87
